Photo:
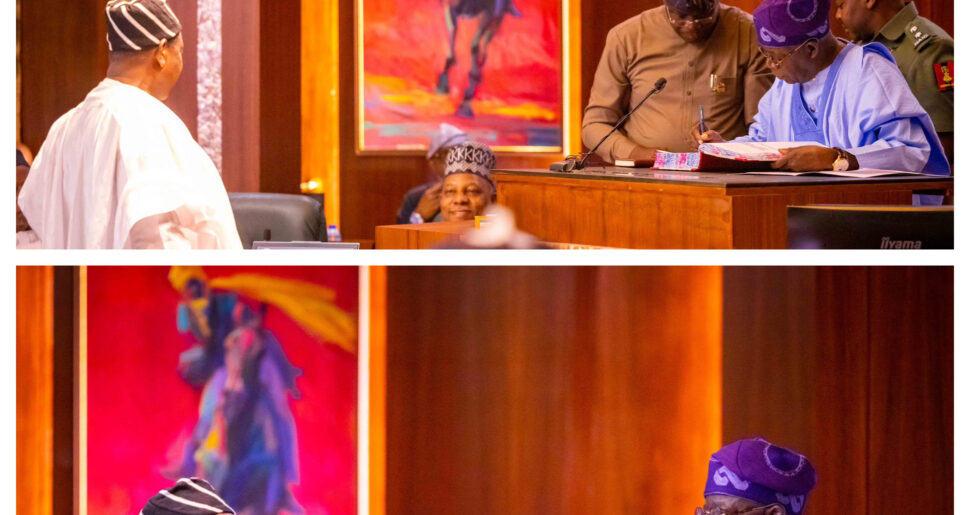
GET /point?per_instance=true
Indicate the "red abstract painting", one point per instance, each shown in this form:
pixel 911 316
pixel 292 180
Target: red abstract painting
pixel 501 80
pixel 144 411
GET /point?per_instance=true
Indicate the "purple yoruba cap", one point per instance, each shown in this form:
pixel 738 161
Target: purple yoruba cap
pixel 756 470
pixel 782 23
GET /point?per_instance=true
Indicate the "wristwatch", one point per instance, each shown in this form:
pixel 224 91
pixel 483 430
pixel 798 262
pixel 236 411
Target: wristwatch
pixel 416 218
pixel 841 163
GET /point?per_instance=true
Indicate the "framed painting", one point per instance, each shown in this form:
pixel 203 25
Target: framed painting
pixel 493 68
pixel 245 376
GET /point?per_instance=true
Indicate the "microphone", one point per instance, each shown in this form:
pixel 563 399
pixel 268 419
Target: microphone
pixel 571 163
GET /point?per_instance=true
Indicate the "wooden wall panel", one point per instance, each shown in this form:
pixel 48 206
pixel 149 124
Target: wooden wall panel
pixel 63 55
pixel 321 101
pixel 377 372
pixel 939 12
pixel 35 396
pixel 846 365
pixel 911 390
pixel 183 99
pixel 240 95
pixel 839 352
pixel 65 423
pixel 551 390
pixel 279 96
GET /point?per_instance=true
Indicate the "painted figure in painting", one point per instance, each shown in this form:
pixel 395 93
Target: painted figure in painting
pixel 245 440
pixel 490 14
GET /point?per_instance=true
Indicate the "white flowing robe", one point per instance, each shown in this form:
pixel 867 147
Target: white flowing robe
pixel 121 170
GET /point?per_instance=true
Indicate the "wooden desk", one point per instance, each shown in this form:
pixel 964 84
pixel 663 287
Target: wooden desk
pixel 419 236
pixel 652 209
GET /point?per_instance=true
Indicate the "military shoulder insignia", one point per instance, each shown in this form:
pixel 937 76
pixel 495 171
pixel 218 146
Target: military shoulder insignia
pixel 944 75
pixel 919 37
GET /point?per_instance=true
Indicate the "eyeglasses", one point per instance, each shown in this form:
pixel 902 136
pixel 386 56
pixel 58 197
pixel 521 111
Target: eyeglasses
pixel 717 510
pixel 776 63
pixel 679 19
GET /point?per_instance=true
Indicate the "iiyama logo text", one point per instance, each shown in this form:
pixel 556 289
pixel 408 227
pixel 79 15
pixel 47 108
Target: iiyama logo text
pixel 889 243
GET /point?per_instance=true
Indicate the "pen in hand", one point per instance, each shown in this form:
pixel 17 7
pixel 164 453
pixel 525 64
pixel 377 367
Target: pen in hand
pixel 703 126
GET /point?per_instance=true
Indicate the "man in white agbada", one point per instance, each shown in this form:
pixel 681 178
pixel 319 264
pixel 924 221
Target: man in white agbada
pixel 121 170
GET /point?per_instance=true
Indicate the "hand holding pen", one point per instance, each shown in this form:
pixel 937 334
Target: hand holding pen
pixel 701 134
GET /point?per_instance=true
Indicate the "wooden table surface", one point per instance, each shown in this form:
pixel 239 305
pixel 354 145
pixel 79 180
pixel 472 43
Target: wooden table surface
pixel 644 208
pixel 419 236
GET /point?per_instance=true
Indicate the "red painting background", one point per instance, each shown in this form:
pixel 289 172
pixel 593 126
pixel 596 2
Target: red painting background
pixel 405 45
pixel 138 407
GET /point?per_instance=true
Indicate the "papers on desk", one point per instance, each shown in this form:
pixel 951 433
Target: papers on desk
pixel 862 173
pixel 752 150
pixel 727 156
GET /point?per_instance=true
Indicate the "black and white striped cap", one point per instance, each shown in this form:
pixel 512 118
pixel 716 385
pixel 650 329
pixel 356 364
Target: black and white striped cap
pixel 471 157
pixel 135 25
pixel 189 496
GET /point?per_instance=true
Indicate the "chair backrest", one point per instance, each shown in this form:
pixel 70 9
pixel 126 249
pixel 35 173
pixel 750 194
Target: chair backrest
pixel 870 227
pixel 277 217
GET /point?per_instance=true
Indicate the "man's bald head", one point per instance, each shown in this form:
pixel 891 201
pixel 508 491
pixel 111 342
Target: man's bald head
pixel 698 8
pixel 692 20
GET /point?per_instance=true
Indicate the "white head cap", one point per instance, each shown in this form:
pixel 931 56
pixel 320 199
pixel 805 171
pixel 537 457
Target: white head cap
pixel 447 136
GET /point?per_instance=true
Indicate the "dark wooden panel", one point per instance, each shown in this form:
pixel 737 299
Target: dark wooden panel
pixel 240 95
pixel 939 12
pixel 838 389
pixel 911 390
pixel 279 95
pixel 550 390
pixel 794 371
pixel 769 330
pixel 63 55
pixel 35 397
pixel 45 390
pixel 183 99
pixel 64 422
pixel 846 365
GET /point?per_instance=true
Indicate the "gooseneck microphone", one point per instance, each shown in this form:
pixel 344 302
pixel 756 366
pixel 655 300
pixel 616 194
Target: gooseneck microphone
pixel 572 164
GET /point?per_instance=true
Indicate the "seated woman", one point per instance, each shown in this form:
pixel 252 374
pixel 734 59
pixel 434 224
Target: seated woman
pixel 468 188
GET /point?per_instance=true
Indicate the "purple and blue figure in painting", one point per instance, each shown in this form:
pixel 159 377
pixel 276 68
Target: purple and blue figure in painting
pixel 490 14
pixel 244 442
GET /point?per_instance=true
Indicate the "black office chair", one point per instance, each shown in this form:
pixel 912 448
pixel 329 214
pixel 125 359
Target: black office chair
pixel 870 227
pixel 278 217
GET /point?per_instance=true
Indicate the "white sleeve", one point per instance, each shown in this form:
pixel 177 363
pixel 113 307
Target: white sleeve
pixel 186 228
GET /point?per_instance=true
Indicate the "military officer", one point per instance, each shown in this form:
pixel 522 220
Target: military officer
pixel 923 51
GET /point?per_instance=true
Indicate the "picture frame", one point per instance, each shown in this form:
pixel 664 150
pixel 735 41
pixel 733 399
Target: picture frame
pixel 87 453
pixel 398 107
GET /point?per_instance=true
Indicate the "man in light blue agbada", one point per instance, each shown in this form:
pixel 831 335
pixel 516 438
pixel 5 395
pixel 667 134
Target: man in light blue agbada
pixel 852 101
